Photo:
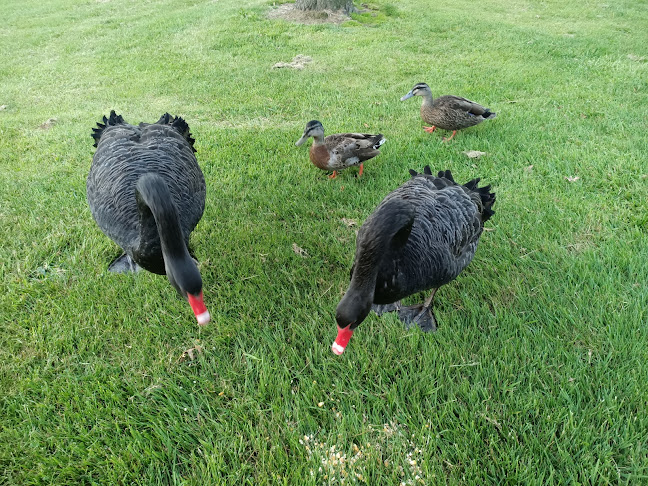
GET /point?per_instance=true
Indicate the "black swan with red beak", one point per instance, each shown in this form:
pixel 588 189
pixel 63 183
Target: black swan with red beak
pixel 420 237
pixel 147 193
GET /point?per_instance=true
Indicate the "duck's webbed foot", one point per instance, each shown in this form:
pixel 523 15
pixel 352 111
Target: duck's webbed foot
pixel 383 309
pixel 430 129
pixel 454 132
pixel 124 264
pixel 418 315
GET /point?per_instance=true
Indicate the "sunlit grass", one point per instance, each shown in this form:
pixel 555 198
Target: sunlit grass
pixel 537 373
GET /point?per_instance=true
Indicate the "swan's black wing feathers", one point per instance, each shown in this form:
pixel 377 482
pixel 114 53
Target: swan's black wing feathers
pixel 124 153
pixel 448 224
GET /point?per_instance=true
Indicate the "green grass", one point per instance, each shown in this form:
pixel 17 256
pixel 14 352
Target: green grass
pixel 538 372
pixel 371 14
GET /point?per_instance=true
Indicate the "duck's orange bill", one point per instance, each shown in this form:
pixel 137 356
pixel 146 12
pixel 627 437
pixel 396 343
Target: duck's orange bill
pixel 199 308
pixel 342 340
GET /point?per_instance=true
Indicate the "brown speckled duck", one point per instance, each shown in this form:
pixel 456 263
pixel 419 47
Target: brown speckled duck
pixel 448 112
pixel 342 150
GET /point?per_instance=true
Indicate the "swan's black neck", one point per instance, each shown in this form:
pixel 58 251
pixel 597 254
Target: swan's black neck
pixel 154 199
pixel 386 230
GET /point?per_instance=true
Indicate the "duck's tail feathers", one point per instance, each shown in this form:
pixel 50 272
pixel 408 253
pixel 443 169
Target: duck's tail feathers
pixel 489 115
pixel 113 119
pixel 180 125
pixel 444 179
pixel 378 140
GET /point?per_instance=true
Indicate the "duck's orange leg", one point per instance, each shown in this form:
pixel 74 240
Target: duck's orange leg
pixel 333 175
pixel 451 136
pixel 429 129
pixel 361 170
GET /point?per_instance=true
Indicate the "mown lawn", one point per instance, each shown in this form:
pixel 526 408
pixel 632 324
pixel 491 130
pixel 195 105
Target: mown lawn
pixel 538 372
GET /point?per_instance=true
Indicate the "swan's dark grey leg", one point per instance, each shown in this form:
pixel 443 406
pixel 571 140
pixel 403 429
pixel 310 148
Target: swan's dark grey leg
pixel 420 314
pixel 383 309
pixel 124 264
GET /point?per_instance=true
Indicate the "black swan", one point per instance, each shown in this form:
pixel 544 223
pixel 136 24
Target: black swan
pixel 147 193
pixel 420 237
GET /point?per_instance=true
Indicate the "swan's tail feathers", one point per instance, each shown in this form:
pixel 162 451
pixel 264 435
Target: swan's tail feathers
pixel 482 195
pixel 426 171
pixel 442 174
pixel 445 174
pixel 180 125
pixel 112 120
pixel 472 185
pixel 486 197
pixel 442 179
pixel 165 119
pixel 183 127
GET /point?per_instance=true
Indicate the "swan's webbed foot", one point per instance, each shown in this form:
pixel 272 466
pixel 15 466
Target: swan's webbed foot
pixel 124 264
pixel 383 309
pixel 419 315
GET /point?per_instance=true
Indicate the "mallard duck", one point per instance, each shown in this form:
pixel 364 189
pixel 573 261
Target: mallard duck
pixel 342 150
pixel 420 237
pixel 147 193
pixel 448 112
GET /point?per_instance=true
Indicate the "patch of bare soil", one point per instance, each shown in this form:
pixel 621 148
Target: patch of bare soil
pixel 298 62
pixel 48 124
pixel 287 11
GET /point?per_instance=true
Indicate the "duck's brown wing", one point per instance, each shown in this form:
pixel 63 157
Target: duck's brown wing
pixel 364 146
pixel 462 104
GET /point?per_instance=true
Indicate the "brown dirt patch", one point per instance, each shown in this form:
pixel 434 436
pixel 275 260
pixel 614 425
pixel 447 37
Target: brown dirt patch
pixel 288 12
pixel 298 62
pixel 48 124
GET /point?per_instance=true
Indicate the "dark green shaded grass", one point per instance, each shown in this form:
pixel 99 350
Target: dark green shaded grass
pixel 537 373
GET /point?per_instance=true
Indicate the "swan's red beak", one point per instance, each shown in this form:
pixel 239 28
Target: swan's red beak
pixel 341 340
pixel 199 308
